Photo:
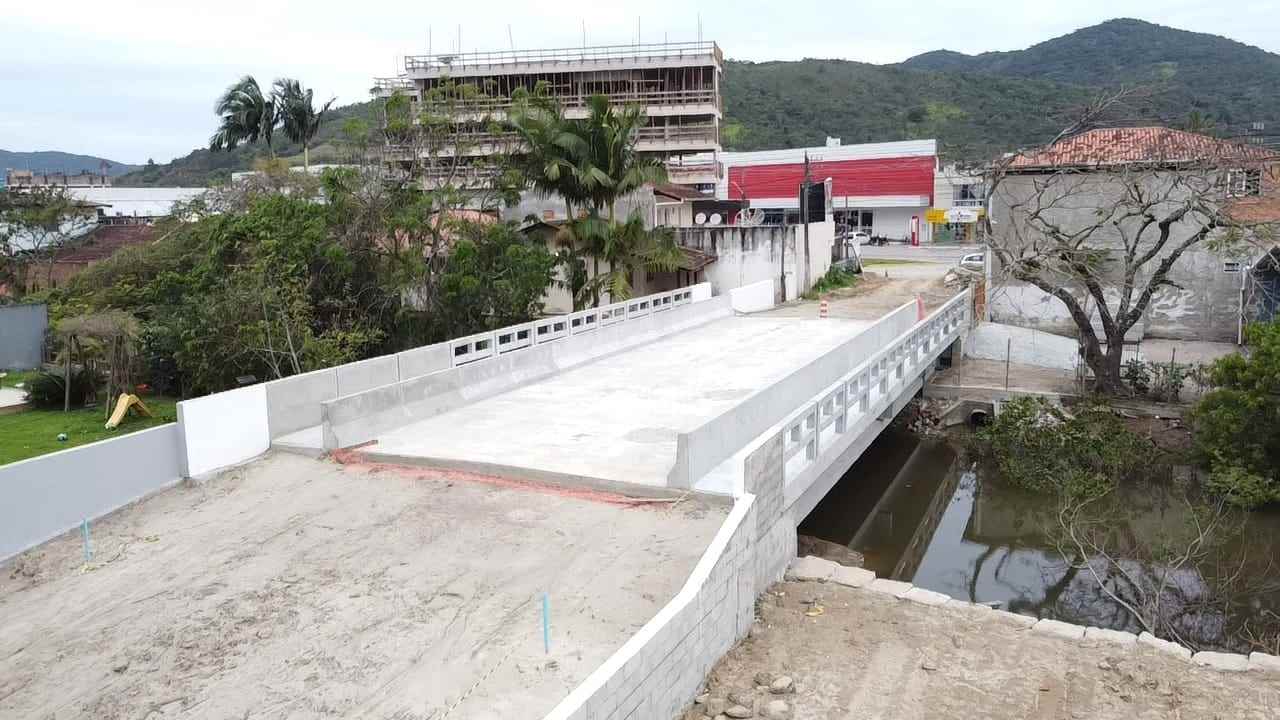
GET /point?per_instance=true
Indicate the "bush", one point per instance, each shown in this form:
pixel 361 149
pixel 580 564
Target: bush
pixel 1236 427
pixel 48 390
pixel 836 278
pixel 1240 487
pixel 1041 447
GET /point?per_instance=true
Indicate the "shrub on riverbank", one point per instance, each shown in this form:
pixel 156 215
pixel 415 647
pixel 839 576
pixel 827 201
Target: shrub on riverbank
pixel 1042 447
pixel 1237 425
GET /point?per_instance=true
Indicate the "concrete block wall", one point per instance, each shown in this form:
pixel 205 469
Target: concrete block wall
pixel 1025 346
pixel 293 403
pixel 51 494
pixel 660 669
pixel 224 429
pixel 22 329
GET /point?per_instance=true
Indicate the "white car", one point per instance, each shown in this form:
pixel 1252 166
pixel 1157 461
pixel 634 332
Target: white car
pixel 860 238
pixel 974 261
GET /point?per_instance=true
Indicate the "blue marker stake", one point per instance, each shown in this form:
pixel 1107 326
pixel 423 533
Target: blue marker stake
pixel 546 623
pixel 88 550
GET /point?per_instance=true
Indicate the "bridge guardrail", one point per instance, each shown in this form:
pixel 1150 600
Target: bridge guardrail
pixel 857 394
pixel 853 370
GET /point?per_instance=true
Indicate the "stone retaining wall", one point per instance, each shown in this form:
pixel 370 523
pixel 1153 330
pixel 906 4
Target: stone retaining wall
pixel 820 570
pixel 660 668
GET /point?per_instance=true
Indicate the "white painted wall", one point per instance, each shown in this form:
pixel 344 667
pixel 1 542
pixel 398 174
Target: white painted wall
pixel 747 255
pixel 1025 346
pixel 224 429
pixel 752 298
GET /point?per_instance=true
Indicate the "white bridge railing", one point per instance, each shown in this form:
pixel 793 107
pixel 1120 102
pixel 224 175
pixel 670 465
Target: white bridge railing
pixel 472 348
pixel 862 394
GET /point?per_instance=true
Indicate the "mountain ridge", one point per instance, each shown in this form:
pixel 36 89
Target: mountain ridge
pixel 977 106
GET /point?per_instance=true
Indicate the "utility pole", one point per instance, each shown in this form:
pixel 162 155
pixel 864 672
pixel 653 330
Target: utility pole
pixel 804 217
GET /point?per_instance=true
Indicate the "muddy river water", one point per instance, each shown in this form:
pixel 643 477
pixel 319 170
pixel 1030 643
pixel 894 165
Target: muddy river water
pixel 919 510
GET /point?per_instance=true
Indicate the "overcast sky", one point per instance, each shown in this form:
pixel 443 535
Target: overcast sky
pixel 136 79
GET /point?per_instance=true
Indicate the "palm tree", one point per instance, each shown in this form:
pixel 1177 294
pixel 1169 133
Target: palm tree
pixel 298 116
pixel 615 168
pixel 629 247
pixel 247 116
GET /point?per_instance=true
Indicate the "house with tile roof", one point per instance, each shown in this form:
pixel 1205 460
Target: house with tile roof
pixel 1110 197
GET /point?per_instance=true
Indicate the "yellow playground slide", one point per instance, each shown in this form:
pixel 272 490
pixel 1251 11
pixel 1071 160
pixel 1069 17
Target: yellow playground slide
pixel 125 402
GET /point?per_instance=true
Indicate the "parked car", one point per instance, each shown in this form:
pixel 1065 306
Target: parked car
pixel 860 238
pixel 974 261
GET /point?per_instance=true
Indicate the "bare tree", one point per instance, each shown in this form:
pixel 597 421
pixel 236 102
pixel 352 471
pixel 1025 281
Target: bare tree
pixel 1103 232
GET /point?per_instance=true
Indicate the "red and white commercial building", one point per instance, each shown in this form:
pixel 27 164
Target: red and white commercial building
pixel 883 189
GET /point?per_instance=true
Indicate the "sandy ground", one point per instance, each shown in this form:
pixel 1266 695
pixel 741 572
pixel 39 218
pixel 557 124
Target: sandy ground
pixel 868 656
pixel 296 588
pixel 880 289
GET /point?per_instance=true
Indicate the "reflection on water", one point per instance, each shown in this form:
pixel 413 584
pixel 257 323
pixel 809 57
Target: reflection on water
pixel 919 511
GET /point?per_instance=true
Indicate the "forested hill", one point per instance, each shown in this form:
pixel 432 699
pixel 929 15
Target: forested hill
pixel 54 161
pixel 977 106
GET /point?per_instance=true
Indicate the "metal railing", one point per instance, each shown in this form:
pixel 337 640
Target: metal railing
pixel 599 53
pixel 473 348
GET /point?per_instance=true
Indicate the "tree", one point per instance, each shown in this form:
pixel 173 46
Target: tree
pixel 1235 424
pixel 35 224
pixel 593 163
pixel 1104 237
pixel 494 277
pixel 247 116
pixel 299 118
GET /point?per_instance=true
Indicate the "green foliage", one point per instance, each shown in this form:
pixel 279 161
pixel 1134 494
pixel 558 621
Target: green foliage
pixel 48 390
pixel 835 279
pixel 1237 425
pixel 1239 486
pixel 1137 376
pixel 1041 447
pixel 494 277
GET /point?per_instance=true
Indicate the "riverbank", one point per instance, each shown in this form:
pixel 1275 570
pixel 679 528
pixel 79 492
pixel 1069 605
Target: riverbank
pixel 853 653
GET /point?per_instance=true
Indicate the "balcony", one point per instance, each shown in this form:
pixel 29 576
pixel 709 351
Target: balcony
pixel 969 202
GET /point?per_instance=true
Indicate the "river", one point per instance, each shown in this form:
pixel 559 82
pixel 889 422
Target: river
pixel 919 510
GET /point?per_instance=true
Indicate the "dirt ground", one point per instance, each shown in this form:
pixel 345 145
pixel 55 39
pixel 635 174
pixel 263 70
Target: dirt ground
pixel 298 588
pixel 857 655
pixel 880 289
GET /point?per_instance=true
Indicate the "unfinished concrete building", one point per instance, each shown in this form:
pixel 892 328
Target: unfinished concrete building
pixel 677 85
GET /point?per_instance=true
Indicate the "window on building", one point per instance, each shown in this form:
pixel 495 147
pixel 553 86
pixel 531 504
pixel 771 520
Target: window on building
pixel 866 220
pixel 1245 182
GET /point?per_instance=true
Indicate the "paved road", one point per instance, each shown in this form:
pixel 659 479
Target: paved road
pixel 949 254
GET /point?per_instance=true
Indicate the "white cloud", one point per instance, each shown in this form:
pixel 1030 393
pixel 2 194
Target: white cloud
pixel 134 79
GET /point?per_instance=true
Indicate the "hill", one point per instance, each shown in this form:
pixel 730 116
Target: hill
pixel 1232 82
pixel 202 166
pixel 977 106
pixel 54 161
pixel 789 104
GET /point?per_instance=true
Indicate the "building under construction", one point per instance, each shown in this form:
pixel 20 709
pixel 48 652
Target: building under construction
pixel 676 84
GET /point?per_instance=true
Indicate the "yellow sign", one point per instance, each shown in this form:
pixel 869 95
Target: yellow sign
pixel 935 216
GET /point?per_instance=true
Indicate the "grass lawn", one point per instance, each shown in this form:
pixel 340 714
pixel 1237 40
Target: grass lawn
pixel 35 432
pixel 13 377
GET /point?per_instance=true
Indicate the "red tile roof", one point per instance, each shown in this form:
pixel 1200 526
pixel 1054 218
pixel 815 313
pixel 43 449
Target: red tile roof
pixel 105 241
pixel 1122 146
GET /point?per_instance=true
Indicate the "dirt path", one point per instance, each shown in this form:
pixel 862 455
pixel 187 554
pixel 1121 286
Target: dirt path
pixel 867 656
pixel 295 588
pixel 879 290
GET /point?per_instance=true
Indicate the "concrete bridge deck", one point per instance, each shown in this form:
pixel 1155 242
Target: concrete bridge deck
pixel 617 419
